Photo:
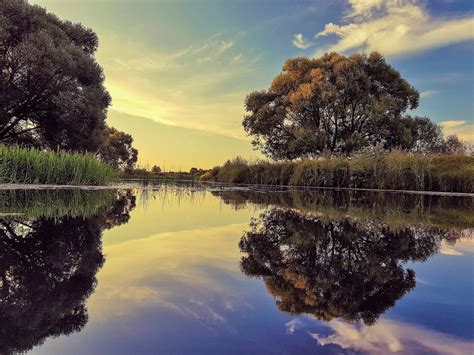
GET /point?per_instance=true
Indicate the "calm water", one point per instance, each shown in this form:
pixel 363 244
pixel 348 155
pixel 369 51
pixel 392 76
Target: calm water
pixel 192 270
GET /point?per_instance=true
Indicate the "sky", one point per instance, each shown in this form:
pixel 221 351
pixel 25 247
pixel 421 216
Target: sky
pixel 178 71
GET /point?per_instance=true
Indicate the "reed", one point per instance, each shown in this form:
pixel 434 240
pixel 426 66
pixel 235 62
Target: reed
pixel 394 171
pixel 31 166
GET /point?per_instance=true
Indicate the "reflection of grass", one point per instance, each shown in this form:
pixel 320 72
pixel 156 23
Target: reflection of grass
pixel 396 210
pixel 55 203
pixel 31 166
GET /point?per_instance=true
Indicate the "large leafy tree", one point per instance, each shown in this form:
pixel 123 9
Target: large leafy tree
pixel 52 92
pixel 333 103
pixel 51 87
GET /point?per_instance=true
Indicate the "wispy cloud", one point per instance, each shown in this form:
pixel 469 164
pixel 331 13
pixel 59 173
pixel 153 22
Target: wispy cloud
pixel 395 27
pixel 200 86
pixel 429 93
pixel 463 129
pixel 300 42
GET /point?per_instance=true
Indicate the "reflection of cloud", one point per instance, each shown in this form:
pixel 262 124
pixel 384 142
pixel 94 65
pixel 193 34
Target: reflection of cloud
pixel 447 249
pixel 389 336
pixel 396 27
pixel 464 245
pixel 463 129
pixel 166 270
pixel 292 325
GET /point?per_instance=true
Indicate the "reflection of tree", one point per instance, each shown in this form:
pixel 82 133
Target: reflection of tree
pixel 334 268
pixel 47 271
pixel 393 209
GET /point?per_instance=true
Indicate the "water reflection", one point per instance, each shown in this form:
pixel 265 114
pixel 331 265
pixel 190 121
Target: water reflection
pixel 48 265
pixel 172 281
pixel 335 268
pixel 396 209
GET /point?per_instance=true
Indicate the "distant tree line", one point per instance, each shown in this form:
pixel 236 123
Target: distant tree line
pixel 340 105
pixel 52 93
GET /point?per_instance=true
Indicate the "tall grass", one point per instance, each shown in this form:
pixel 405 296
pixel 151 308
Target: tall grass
pixel 31 166
pixel 395 171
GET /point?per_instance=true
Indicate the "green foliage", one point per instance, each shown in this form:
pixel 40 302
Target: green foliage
pixel 52 93
pixel 30 166
pixel 332 103
pixel 116 149
pixel 51 89
pixel 34 203
pixel 395 171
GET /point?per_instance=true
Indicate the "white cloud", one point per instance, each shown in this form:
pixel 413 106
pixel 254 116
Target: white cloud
pixel 224 46
pixel 300 42
pixel 363 8
pixel 237 58
pixel 389 336
pixel 395 27
pixel 463 129
pixel 429 93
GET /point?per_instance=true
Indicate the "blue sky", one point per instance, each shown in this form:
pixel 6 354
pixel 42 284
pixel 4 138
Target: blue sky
pixel 190 63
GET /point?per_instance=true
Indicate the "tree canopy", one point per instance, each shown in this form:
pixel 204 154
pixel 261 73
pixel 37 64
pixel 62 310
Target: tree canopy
pixel 116 149
pixel 335 103
pixel 52 92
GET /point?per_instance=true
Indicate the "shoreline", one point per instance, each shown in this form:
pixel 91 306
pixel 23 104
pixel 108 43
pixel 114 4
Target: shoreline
pixel 134 184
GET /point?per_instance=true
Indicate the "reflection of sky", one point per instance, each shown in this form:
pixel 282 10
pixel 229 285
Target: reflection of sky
pixel 171 284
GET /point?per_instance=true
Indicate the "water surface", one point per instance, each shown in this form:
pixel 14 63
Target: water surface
pixel 189 269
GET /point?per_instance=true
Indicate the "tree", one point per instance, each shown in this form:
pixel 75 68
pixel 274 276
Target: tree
pixel 155 170
pixel 116 149
pixel 51 87
pixel 333 103
pixel 454 146
pixel 335 268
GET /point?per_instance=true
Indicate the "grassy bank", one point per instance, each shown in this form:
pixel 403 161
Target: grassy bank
pixel 30 166
pixel 395 171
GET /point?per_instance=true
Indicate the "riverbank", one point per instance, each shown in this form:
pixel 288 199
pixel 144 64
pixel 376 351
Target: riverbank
pixel 20 165
pixel 395 171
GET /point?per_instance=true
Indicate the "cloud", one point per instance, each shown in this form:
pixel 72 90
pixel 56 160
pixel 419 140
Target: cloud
pixel 364 8
pixel 388 336
pixel 429 93
pixel 394 28
pixel 300 42
pixel 199 86
pixel 463 129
